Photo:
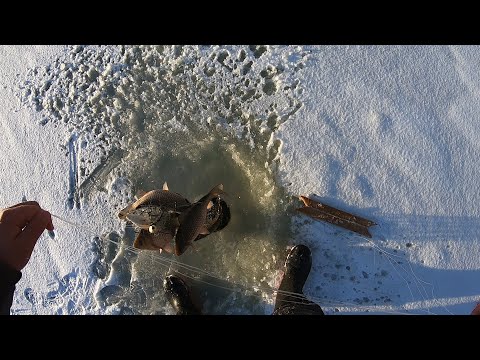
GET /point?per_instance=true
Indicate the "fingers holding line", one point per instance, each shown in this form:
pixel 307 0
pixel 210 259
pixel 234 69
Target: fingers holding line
pixel 39 222
pixel 22 214
pixel 25 203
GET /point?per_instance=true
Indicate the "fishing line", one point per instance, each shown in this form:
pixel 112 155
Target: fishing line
pixel 238 288
pixel 246 289
pixel 166 262
pixel 418 281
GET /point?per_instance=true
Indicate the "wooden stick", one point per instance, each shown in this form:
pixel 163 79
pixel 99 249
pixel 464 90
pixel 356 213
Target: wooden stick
pixel 335 212
pixel 320 215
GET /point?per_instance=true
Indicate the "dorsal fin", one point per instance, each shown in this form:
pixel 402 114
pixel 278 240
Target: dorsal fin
pixel 165 186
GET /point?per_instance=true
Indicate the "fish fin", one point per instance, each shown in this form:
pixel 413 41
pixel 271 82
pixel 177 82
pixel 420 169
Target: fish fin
pixel 217 190
pixel 168 248
pixel 146 241
pixel 138 242
pixel 143 241
pixel 165 186
pixel 182 242
pixel 204 230
pixel 178 250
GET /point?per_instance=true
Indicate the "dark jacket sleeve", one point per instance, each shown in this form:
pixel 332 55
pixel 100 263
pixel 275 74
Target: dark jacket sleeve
pixel 8 278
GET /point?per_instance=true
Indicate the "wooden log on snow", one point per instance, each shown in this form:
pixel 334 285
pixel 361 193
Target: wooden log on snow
pixel 322 212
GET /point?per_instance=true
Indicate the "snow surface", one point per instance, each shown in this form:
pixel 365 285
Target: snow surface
pixel 387 132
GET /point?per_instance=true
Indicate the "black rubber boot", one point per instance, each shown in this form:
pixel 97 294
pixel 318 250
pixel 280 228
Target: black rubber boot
pixel 178 295
pixel 297 269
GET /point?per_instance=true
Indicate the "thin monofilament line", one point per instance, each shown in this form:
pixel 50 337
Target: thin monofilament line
pixel 251 292
pixel 168 262
pixel 418 282
pixel 240 288
pixel 235 287
pixel 70 222
pixel 164 261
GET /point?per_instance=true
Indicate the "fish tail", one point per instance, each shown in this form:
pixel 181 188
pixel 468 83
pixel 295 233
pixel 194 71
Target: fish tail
pixel 217 190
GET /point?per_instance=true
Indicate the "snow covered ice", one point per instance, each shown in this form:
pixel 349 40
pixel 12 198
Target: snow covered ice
pixel 386 132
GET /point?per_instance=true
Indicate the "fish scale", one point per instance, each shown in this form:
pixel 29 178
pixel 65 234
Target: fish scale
pixel 193 221
pixel 161 215
pixel 154 204
pixel 164 198
pixel 150 213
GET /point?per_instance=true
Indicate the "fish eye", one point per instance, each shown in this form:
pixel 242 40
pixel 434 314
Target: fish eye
pixel 152 229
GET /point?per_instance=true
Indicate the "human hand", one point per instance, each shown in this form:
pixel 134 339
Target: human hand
pixel 20 227
pixel 476 311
